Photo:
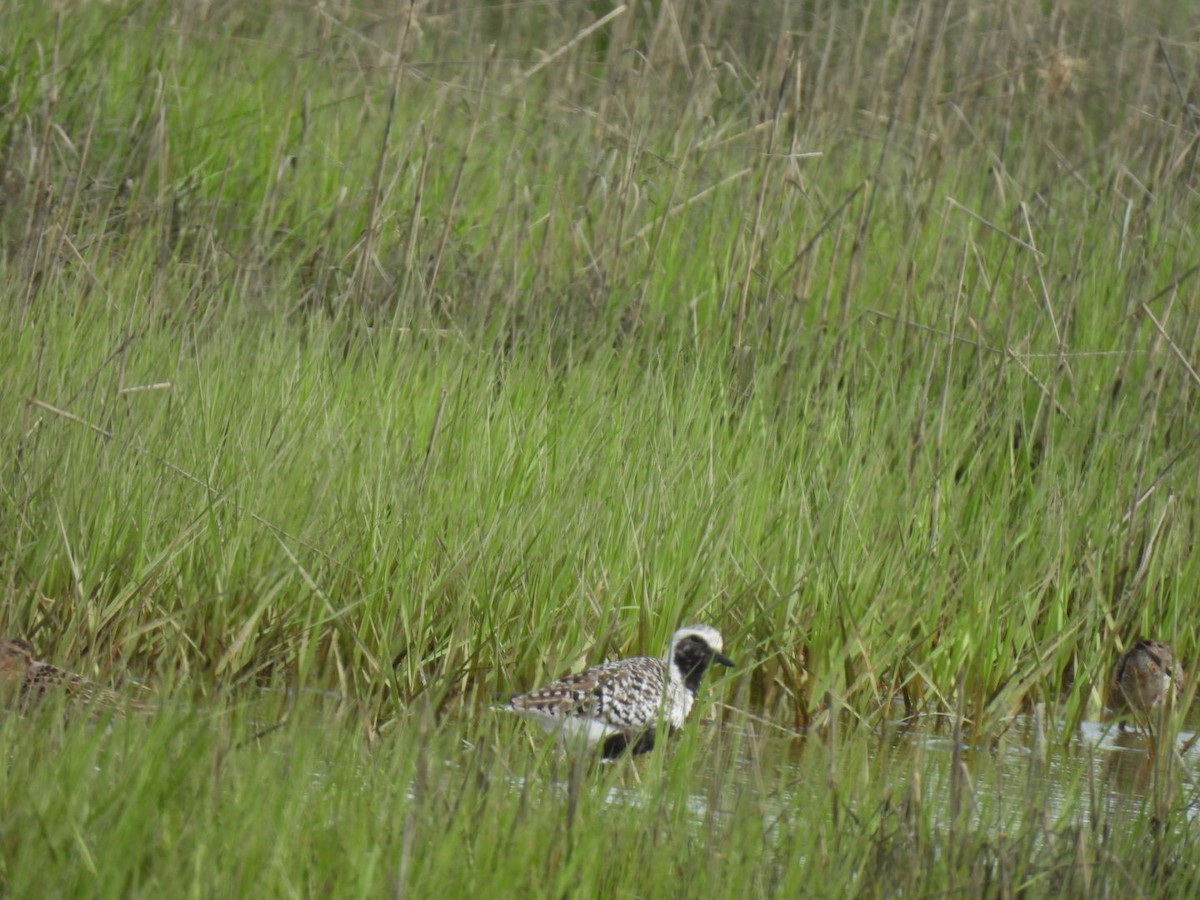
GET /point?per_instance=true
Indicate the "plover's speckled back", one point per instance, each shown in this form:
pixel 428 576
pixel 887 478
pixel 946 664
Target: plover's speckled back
pixel 1144 676
pixel 618 704
pixel 24 680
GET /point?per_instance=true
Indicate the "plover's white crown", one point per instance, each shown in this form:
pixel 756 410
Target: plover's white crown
pixel 619 703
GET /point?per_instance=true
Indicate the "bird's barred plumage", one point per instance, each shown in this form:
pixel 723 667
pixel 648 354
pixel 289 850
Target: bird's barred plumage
pixel 25 680
pixel 1144 676
pixel 619 704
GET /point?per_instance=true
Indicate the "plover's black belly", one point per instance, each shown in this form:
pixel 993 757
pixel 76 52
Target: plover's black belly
pixel 637 742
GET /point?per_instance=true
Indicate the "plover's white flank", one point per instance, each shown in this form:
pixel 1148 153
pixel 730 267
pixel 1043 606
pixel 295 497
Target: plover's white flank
pixel 618 704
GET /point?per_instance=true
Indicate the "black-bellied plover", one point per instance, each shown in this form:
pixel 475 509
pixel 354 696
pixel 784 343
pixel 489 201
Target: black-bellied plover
pixel 24 680
pixel 618 704
pixel 1144 677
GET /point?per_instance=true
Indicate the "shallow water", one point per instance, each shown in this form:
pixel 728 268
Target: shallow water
pixel 1100 771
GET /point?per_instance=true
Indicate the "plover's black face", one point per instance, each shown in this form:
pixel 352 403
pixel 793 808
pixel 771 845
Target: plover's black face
pixel 692 655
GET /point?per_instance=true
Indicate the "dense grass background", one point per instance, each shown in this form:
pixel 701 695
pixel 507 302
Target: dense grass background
pixel 420 353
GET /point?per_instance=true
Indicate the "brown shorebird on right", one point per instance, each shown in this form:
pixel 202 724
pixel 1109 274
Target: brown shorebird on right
pixel 1145 677
pixel 25 680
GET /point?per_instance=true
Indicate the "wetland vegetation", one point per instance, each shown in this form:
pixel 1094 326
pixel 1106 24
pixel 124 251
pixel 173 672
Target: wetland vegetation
pixel 362 363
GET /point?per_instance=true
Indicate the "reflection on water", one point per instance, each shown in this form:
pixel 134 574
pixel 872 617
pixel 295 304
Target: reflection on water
pixel 1113 771
pixel 1094 773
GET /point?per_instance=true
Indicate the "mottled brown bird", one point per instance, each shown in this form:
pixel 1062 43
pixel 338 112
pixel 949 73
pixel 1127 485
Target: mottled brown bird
pixel 25 680
pixel 1145 676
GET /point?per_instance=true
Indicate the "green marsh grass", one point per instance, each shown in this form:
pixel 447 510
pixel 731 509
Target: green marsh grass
pixel 406 356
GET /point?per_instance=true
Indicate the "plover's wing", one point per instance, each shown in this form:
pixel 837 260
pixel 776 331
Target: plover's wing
pixel 573 695
pixel 608 692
